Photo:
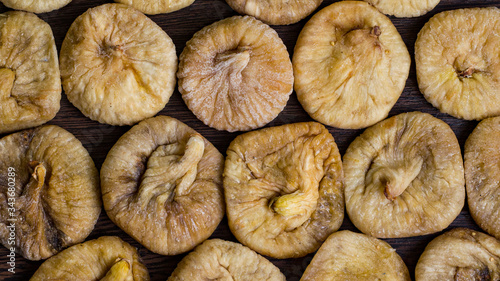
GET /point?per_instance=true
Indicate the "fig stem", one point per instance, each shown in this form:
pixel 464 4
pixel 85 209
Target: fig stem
pixel 118 272
pixel 467 73
pixel 376 31
pixel 399 179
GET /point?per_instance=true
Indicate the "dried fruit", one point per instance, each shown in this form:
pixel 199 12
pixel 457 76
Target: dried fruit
pixel 460 254
pixel 482 174
pixel 275 11
pixel 35 6
pixel 50 193
pixel 283 189
pixel 458 70
pixel 350 65
pixel 404 177
pixel 223 260
pixel 106 258
pixel 121 70
pixel 404 8
pixel 346 255
pixel 162 184
pixel 235 74
pixel 153 7
pixel 30 84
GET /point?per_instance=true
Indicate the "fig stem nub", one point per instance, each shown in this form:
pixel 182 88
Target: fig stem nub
pixel 376 31
pixel 399 179
pixel 118 272
pixel 467 73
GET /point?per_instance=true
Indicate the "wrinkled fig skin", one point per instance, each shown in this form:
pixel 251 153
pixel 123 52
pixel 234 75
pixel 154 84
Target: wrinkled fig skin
pixel 106 258
pixel 404 177
pixel 460 254
pixel 117 65
pixel 275 12
pixel 30 83
pixel 162 184
pixel 482 156
pixel 350 65
pixel 153 7
pixel 36 6
pixel 57 196
pixel 456 56
pixel 349 256
pixel 223 260
pixel 283 189
pixel 404 8
pixel 235 74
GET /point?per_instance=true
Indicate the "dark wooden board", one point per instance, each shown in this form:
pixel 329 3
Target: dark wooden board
pixel 180 26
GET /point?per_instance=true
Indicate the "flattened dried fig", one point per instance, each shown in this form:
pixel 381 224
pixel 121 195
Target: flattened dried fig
pixel 162 184
pixel 106 258
pixel 460 254
pixel 404 8
pixel 350 65
pixel 36 6
pixel 458 70
pixel 346 255
pixel 51 193
pixel 275 11
pixel 283 189
pixel 223 260
pixel 117 66
pixel 404 177
pixel 153 7
pixel 235 74
pixel 30 84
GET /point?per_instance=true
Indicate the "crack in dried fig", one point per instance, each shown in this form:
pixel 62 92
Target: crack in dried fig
pixel 118 271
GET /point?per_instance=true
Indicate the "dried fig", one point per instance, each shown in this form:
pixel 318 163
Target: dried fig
pixel 35 6
pixel 350 65
pixel 482 174
pixel 162 184
pixel 153 7
pixel 275 11
pixel 346 255
pixel 223 260
pixel 118 67
pixel 404 177
pixel 50 198
pixel 235 74
pixel 30 83
pixel 283 189
pixel 460 254
pixel 458 70
pixel 404 8
pixel 106 258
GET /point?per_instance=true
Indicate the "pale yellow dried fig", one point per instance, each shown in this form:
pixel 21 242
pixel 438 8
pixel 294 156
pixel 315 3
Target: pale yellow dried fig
pixel 117 66
pixel 235 74
pixel 106 258
pixel 350 65
pixel 30 83
pixel 35 6
pixel 404 8
pixel 223 260
pixel 162 184
pixel 458 69
pixel 460 254
pixel 50 197
pixel 153 7
pixel 404 177
pixel 283 189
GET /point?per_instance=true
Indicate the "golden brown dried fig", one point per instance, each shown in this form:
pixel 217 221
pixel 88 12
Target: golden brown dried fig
pixel 404 177
pixel 346 255
pixel 460 254
pixel 153 7
pixel 482 174
pixel 162 184
pixel 223 260
pixel 35 6
pixel 458 70
pixel 404 8
pixel 283 189
pixel 30 84
pixel 235 74
pixel 50 197
pixel 275 11
pixel 350 65
pixel 106 258
pixel 117 66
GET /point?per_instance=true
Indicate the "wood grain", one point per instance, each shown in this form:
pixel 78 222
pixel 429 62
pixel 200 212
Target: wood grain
pixel 180 26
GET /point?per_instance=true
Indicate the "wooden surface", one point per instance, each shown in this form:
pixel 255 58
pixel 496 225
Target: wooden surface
pixel 180 26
